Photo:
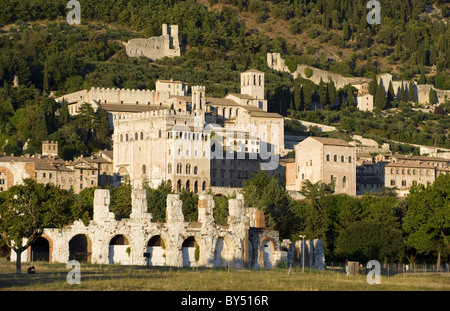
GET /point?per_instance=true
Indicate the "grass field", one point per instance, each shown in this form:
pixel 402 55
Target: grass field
pixel 53 277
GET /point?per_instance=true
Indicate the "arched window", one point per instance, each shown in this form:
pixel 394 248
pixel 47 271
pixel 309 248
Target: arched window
pixel 159 134
pixel 344 182
pixel 142 135
pixel 136 136
pixel 342 158
pixel 350 159
pixel 179 168
pixel 126 137
pixel 169 168
pixel 328 158
pixel 121 137
pixel 195 170
pixel 335 158
pixel 188 168
pixel 144 169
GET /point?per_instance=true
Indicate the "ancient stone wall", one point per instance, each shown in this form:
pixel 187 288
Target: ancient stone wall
pixel 166 45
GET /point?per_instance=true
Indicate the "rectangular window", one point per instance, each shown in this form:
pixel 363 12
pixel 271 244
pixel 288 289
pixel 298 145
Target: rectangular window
pixel 392 182
pixel 403 182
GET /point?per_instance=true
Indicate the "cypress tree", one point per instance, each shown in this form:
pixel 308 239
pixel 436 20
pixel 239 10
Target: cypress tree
pixel 432 97
pixel 411 92
pixel 402 93
pixel 422 79
pixel 390 94
pixel 373 86
pixel 380 97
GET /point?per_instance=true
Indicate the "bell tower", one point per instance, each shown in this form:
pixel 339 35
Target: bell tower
pixel 252 83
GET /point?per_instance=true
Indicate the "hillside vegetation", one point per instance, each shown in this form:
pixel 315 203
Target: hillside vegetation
pixel 219 40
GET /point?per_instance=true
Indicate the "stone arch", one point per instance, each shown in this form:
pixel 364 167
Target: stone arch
pixel 223 251
pixel 188 251
pixel 188 185
pixel 267 248
pixel 80 248
pixel 179 185
pixel 118 246
pixel 41 249
pixel 196 186
pixel 123 174
pixel 156 251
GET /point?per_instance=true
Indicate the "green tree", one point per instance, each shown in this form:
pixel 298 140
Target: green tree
pixel 403 93
pixel 380 97
pixel 64 113
pixel 120 203
pixel 411 92
pixel 427 220
pixel 265 193
pixel 30 208
pixel 157 201
pixel 373 85
pixel 190 205
pixel 422 79
pixel 315 215
pixel 322 94
pixel 432 97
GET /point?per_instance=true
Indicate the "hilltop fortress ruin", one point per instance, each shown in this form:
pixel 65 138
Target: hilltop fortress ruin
pixel 166 45
pixel 422 91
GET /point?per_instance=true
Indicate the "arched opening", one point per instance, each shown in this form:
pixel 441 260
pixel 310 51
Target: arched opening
pixel 267 249
pixel 188 251
pixel 221 253
pixel 123 175
pixel 195 186
pixel 80 248
pixel 188 185
pixel 119 250
pixel 156 252
pixel 179 185
pixel 204 186
pixel 40 250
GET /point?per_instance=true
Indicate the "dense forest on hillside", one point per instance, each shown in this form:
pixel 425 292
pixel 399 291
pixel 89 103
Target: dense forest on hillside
pixel 47 54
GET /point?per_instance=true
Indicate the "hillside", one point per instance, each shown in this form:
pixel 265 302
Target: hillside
pixel 219 40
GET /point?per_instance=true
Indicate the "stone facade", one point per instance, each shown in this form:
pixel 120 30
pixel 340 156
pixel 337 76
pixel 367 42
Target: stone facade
pixel 166 45
pixel 326 159
pixel 81 173
pixel 364 102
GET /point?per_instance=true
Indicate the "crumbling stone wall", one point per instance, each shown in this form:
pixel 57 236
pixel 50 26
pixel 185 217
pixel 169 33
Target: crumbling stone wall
pixel 166 45
pixel 219 245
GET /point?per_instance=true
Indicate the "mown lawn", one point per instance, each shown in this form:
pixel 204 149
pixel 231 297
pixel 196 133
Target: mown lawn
pixel 53 277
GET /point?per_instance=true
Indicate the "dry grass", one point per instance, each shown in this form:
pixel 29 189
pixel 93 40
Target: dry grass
pixel 53 277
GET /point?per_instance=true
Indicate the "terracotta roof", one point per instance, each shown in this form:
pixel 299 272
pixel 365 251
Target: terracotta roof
pixel 264 114
pixel 419 158
pixel 331 141
pixel 416 165
pixel 130 108
pixel 186 98
pixel 242 96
